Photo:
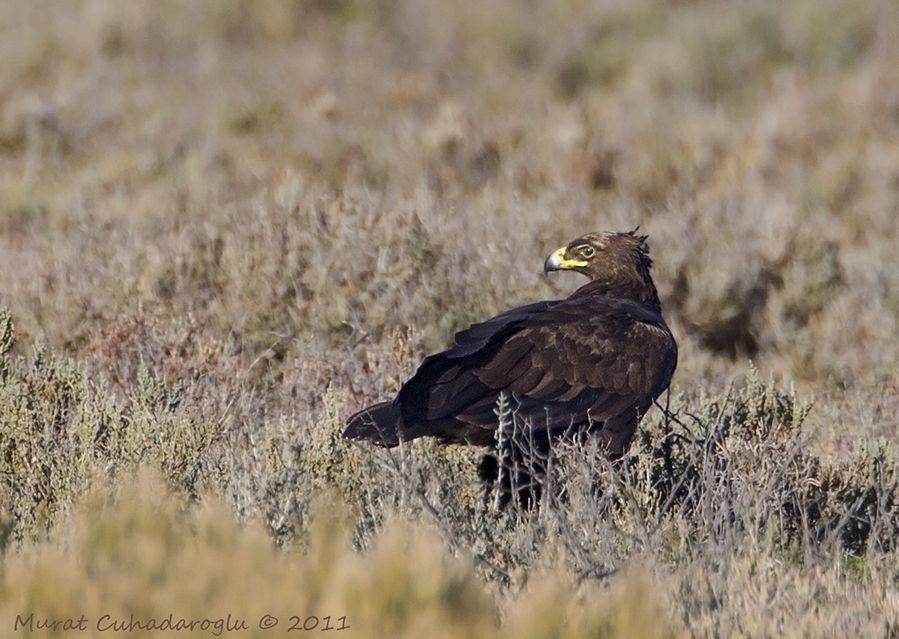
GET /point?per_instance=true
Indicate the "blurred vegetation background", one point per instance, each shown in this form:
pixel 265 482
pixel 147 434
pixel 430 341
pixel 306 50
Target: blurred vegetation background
pixel 225 224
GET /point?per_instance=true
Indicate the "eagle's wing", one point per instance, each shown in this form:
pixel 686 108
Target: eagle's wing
pixel 477 336
pixel 561 362
pixel 444 383
pixel 443 386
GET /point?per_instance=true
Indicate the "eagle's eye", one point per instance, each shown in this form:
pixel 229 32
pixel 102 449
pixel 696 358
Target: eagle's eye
pixel 586 251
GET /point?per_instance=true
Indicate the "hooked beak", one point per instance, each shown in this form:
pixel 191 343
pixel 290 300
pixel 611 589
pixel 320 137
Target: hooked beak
pixel 555 260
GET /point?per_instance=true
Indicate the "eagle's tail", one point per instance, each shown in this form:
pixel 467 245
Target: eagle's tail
pixel 378 424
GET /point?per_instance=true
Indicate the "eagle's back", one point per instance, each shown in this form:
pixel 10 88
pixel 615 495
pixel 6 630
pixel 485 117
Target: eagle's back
pixel 589 360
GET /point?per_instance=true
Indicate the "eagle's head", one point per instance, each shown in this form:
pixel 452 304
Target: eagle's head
pixel 617 259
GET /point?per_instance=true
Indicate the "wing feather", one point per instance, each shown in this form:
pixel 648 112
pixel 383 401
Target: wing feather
pixel 601 361
pixel 563 362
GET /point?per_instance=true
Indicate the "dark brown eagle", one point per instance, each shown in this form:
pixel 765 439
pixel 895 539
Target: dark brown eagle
pixel 591 363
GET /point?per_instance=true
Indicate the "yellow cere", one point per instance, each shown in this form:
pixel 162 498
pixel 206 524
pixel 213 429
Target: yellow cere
pixel 568 263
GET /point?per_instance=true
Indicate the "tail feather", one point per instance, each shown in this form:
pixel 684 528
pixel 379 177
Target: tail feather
pixel 379 424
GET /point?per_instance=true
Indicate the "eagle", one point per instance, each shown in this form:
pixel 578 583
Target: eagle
pixel 591 364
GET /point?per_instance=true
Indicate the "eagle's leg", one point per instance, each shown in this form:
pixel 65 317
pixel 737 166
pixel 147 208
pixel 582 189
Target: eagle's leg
pixel 517 468
pixel 615 434
pixel 488 472
pixel 507 478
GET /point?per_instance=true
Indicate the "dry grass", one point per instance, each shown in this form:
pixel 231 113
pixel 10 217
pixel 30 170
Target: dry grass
pixel 158 557
pixel 226 225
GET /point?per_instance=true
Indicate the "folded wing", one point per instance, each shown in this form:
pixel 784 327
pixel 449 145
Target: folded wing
pixel 562 363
